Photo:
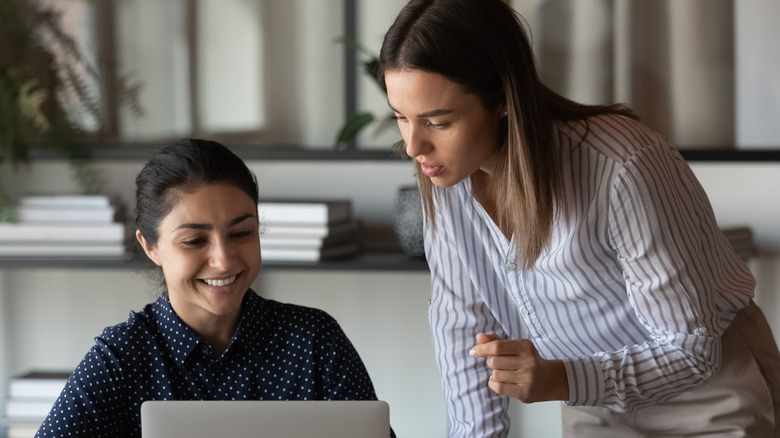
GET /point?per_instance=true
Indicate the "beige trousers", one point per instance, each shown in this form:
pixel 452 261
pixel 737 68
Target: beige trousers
pixel 741 400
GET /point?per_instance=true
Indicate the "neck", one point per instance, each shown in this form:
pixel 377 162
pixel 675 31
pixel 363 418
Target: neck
pixel 217 330
pixel 484 190
pixel 218 333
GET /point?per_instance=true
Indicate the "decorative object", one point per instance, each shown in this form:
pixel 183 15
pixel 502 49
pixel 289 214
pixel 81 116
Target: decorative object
pixel 408 220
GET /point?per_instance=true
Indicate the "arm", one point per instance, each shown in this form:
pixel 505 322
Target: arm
pixel 344 376
pixel 456 315
pixel 665 237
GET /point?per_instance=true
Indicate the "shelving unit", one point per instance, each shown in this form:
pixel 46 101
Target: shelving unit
pixel 365 261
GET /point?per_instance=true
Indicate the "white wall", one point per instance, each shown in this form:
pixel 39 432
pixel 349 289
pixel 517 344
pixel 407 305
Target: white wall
pixel 757 60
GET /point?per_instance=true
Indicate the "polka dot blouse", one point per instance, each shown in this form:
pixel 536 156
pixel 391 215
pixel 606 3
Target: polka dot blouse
pixel 278 352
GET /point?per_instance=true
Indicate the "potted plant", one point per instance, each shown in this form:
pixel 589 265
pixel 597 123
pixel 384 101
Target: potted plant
pixel 358 122
pixel 44 81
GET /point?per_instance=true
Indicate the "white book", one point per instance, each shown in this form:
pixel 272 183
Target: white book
pixel 304 241
pixel 38 384
pixel 65 201
pixel 65 250
pixel 27 409
pixel 320 212
pixel 290 254
pixel 22 429
pixel 61 232
pixel 308 230
pixel 65 214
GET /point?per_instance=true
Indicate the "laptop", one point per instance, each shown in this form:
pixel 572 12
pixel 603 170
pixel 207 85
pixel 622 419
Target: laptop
pixel 265 419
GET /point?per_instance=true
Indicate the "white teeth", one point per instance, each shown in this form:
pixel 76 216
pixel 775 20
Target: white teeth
pixel 224 282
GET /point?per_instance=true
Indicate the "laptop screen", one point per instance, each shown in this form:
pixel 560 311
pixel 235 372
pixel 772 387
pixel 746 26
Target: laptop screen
pixel 265 419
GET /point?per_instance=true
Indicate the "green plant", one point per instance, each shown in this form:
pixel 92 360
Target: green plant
pixel 358 122
pixel 45 93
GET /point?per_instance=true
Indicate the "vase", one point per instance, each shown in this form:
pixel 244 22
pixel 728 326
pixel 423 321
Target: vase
pixel 408 220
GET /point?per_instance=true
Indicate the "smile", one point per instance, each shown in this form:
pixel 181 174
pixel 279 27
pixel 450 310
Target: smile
pixel 222 282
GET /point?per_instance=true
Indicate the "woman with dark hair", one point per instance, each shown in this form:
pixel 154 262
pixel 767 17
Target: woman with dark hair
pixel 573 254
pixel 209 336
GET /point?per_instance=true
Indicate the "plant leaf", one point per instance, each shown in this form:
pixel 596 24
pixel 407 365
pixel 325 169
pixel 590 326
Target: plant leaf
pixel 353 126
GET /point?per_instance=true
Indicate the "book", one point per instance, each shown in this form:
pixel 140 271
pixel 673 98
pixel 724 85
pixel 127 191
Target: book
pixel 37 249
pixel 308 230
pixel 62 232
pixel 71 201
pixel 22 429
pixel 741 240
pixel 43 384
pixel 28 409
pixel 319 212
pixel 290 254
pixel 305 241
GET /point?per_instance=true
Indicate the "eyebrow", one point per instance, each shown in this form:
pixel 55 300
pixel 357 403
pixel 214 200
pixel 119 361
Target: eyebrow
pixel 432 113
pixel 194 226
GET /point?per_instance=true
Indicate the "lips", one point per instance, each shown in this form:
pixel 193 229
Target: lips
pixel 430 171
pixel 219 282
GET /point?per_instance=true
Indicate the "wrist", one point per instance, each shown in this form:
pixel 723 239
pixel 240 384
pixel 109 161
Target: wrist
pixel 559 382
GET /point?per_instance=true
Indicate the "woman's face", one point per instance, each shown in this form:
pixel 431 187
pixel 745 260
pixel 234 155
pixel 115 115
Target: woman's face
pixel 449 132
pixel 209 251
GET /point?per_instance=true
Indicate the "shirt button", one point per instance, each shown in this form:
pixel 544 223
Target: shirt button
pixel 525 311
pixel 512 266
pixel 701 331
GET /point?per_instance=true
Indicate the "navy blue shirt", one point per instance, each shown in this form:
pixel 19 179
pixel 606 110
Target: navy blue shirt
pixel 278 352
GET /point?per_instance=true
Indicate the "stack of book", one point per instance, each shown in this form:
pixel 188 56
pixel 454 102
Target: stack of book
pixel 64 226
pixel 30 398
pixel 307 230
pixel 741 239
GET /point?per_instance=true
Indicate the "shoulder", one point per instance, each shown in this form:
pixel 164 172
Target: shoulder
pixel 616 138
pixel 280 316
pixel 138 326
pixel 302 316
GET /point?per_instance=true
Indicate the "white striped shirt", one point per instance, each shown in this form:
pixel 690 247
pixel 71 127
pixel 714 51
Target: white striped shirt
pixel 633 292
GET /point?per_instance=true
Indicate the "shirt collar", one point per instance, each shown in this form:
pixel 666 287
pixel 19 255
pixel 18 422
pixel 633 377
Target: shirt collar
pixel 253 322
pixel 180 340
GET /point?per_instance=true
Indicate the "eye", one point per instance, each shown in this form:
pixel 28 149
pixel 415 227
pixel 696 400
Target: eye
pixel 399 118
pixel 193 243
pixel 241 234
pixel 438 125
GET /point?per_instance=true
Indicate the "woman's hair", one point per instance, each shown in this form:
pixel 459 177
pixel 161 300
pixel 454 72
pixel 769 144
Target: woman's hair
pixel 482 45
pixel 179 168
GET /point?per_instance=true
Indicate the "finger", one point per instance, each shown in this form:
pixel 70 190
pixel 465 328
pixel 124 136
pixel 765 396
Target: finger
pixel 508 389
pixel 505 348
pixel 482 339
pixel 511 363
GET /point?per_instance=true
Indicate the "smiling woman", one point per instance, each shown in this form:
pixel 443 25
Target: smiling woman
pixel 210 253
pixel 209 336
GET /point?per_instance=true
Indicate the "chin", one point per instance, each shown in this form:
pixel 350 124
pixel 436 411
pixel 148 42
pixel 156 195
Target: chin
pixel 444 182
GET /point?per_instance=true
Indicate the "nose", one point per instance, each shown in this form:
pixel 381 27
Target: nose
pixel 416 141
pixel 221 255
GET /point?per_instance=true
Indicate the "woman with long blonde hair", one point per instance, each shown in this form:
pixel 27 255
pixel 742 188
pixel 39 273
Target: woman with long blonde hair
pixel 573 254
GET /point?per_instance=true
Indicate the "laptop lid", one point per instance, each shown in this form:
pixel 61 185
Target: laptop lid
pixel 265 419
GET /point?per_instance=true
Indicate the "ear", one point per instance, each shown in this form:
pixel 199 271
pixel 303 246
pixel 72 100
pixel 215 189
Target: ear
pixel 149 249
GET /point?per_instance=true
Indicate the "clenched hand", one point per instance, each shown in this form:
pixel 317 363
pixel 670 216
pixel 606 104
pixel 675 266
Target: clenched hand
pixel 519 371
